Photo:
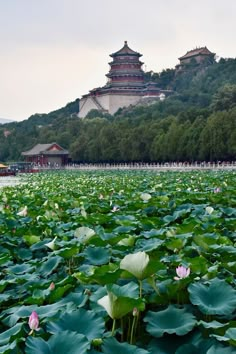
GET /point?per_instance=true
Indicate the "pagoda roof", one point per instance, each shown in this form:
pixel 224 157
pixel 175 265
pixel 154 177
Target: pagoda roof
pixel 125 50
pixel 197 51
pixel 49 149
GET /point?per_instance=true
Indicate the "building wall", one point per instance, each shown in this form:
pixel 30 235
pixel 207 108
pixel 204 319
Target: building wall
pixel 120 101
pixel 110 102
pixel 86 104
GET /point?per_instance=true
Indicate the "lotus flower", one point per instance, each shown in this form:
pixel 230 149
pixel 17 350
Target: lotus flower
pixel 33 322
pixel 23 212
pixel 51 244
pixel 217 190
pixel 182 272
pixel 136 264
pixel 145 197
pixel 209 210
pixel 52 286
pixel 115 208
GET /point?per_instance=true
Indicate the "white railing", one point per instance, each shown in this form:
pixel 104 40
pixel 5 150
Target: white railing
pixel 153 166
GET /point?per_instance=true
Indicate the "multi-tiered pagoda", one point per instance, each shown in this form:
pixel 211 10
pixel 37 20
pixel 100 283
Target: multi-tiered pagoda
pixel 126 85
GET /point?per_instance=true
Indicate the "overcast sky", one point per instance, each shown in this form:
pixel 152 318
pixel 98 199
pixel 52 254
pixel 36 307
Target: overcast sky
pixel 54 51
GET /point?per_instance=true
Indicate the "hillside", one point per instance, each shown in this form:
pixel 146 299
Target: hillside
pixel 198 122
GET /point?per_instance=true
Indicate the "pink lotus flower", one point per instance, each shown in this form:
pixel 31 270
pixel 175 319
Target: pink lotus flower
pixel 182 272
pixel 217 190
pixel 52 286
pixel 33 322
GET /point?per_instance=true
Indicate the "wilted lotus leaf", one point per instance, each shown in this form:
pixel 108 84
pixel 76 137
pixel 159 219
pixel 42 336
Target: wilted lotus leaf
pixel 84 234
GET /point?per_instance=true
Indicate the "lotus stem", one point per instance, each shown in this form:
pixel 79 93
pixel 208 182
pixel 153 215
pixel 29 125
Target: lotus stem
pixel 113 327
pixel 140 288
pixel 133 331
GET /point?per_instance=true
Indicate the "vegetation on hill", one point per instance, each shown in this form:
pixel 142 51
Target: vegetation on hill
pixel 198 122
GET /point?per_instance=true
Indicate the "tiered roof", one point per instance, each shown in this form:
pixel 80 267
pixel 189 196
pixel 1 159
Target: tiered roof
pixel 196 52
pixel 125 50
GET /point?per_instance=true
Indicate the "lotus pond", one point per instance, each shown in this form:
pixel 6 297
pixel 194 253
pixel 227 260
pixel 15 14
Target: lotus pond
pixel 119 262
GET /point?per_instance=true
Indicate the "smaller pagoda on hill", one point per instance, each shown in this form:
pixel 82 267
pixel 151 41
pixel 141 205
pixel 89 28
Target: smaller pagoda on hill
pixel 125 86
pixel 194 58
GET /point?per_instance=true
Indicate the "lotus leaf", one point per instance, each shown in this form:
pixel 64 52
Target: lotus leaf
pixel 59 343
pixel 172 320
pixel 79 321
pixel 215 298
pixel 112 346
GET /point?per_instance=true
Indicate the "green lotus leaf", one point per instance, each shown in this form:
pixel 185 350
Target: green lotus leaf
pixel 171 320
pixel 79 321
pixel 31 239
pixel 220 349
pixel 50 265
pixel 215 298
pixel 187 349
pixel 59 343
pixel 97 255
pixel 213 324
pixel 112 346
pixel 148 245
pixel 5 336
pixel 9 348
pixel 128 241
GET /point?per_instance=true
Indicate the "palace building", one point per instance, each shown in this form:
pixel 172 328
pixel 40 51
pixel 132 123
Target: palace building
pixel 196 57
pixel 47 154
pixel 125 86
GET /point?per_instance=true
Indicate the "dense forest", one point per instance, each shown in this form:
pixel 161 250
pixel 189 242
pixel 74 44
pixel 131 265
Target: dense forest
pixel 196 123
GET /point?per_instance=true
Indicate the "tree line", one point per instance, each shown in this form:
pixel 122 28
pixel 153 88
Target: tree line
pixel 196 123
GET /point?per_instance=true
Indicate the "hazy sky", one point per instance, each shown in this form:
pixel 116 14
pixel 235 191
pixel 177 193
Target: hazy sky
pixel 54 51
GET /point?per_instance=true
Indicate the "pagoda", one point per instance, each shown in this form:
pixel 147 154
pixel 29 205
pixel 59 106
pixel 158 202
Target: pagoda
pixel 195 58
pixel 125 85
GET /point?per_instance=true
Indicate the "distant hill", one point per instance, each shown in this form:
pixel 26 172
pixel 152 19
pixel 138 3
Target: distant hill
pixel 3 120
pixel 196 123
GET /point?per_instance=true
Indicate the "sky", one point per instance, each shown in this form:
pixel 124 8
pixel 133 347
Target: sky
pixel 54 51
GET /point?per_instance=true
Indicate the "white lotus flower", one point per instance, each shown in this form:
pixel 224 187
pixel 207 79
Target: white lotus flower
pixel 23 212
pixel 108 302
pixel 145 197
pixel 209 210
pixel 51 244
pixel 136 264
pixel 116 306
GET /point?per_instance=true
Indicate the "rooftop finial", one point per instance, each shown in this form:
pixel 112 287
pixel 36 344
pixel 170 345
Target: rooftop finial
pixel 126 43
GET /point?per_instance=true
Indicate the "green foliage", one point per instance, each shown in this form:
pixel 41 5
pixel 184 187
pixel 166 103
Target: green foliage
pixel 197 122
pixel 87 293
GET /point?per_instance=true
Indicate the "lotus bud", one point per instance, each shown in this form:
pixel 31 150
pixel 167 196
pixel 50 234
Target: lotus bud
pixel 135 312
pixel 52 286
pixel 33 322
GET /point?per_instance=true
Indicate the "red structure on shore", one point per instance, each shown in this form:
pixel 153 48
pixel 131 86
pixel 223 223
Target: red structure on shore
pixel 47 154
